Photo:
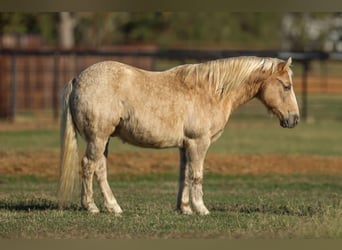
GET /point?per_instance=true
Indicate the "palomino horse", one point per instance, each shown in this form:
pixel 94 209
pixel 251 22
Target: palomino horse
pixel 186 106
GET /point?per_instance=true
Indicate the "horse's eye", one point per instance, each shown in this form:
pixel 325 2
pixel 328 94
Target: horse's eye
pixel 287 87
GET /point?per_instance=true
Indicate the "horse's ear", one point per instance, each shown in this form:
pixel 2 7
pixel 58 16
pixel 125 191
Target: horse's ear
pixel 285 66
pixel 288 63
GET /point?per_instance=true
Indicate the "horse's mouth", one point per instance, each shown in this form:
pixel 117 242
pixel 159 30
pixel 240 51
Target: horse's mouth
pixel 290 122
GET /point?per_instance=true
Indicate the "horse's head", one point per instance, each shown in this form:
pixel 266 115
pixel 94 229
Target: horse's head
pixel 278 95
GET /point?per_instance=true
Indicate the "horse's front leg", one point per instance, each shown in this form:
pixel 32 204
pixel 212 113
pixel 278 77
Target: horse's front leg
pixel 195 154
pixel 183 198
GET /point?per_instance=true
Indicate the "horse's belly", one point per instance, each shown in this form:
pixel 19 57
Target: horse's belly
pixel 155 137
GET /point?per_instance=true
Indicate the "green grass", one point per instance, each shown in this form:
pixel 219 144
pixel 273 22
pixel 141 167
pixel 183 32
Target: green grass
pixel 23 140
pixel 270 206
pixel 305 139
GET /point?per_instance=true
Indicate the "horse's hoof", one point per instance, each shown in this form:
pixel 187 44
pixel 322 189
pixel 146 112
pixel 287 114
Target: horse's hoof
pixel 115 209
pixel 205 212
pixel 93 210
pixel 202 211
pixel 186 210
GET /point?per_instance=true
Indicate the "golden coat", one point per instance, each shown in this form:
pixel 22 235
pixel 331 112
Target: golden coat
pixel 186 106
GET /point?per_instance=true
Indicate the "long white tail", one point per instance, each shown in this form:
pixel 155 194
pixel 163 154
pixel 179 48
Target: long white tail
pixel 69 163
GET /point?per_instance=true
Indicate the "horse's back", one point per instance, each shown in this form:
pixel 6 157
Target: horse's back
pixel 107 72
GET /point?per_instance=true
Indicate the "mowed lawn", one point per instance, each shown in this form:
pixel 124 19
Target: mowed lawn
pixel 244 206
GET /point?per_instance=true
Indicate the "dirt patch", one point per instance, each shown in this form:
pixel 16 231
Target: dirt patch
pixel 46 164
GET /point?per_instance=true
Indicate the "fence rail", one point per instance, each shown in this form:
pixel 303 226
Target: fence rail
pixel 42 73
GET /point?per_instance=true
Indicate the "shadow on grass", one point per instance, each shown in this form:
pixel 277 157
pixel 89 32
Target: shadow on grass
pixel 35 205
pixel 299 210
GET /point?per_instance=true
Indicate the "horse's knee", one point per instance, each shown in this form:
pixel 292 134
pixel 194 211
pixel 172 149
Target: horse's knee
pixel 101 170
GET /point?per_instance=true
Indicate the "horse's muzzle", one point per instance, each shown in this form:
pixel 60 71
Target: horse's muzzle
pixel 290 122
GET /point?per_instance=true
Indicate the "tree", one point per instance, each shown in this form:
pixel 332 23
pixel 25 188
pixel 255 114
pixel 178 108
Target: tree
pixel 66 28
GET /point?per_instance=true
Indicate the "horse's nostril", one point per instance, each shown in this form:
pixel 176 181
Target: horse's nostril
pixel 296 119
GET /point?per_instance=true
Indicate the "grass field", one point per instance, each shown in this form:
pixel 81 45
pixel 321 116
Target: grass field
pixel 303 202
pixel 242 206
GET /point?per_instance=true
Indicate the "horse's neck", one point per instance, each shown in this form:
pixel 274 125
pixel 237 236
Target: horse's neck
pixel 244 93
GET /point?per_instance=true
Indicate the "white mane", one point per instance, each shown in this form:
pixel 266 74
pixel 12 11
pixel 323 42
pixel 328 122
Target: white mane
pixel 223 75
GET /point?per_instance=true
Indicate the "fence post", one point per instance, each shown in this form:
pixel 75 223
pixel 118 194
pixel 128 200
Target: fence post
pixel 304 111
pixel 13 91
pixel 55 93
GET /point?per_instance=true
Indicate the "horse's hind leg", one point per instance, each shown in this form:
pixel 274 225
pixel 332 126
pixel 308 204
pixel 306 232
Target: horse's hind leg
pixel 101 174
pixel 94 161
pixel 88 168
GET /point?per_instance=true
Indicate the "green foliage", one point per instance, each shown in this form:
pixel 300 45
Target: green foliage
pixel 218 29
pixel 32 23
pixel 14 22
pixel 142 27
pixel 234 30
pixel 237 30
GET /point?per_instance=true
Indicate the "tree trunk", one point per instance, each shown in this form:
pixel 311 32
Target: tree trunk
pixel 66 30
